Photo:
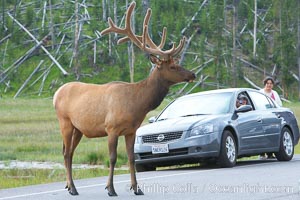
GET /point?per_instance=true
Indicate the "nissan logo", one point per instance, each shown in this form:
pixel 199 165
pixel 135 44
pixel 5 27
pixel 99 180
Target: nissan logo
pixel 161 137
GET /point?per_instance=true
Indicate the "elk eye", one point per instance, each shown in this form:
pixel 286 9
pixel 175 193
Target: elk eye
pixel 173 68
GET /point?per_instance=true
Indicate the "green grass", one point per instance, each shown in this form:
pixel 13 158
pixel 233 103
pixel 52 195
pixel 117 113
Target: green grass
pixel 295 107
pixel 29 132
pixel 16 177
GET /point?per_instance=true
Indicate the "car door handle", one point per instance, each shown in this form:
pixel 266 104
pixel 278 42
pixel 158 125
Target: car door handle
pixel 259 120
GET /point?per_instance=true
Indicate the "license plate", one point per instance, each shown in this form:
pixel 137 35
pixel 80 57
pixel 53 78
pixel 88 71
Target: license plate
pixel 160 148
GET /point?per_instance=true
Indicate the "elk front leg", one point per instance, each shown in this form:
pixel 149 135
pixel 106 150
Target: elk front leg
pixel 112 148
pixel 130 152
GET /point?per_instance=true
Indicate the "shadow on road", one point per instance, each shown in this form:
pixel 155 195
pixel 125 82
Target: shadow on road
pixel 213 165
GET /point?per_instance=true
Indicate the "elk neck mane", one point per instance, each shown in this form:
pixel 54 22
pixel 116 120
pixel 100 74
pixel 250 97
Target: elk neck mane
pixel 154 89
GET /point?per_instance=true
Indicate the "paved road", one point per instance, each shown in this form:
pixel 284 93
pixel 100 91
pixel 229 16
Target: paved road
pixel 248 180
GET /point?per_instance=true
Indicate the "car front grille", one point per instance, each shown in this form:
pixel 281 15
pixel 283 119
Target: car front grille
pixel 162 137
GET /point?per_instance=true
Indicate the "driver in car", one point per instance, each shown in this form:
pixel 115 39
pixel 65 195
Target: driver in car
pixel 241 100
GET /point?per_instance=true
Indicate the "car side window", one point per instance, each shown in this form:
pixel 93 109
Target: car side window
pixel 261 101
pixel 242 99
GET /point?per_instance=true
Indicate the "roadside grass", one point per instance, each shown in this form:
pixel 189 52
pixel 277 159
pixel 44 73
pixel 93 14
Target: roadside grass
pixel 22 177
pixel 29 132
pixel 295 107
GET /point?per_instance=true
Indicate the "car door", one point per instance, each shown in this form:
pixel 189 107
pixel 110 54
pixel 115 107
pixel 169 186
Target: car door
pixel 271 123
pixel 270 120
pixel 249 126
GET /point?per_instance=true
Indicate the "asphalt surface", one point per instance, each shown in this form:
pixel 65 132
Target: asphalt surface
pixel 248 180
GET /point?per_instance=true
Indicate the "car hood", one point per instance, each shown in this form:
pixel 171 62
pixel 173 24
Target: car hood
pixel 171 125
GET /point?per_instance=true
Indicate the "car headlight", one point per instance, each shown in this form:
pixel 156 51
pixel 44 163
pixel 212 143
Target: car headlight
pixel 138 139
pixel 202 129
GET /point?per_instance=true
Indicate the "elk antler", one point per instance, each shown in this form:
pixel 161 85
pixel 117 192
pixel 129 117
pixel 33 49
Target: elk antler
pixel 144 42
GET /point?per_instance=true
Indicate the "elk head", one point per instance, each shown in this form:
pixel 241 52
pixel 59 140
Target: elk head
pixel 164 60
pixel 171 71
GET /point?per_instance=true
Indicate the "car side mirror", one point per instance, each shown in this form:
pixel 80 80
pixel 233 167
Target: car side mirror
pixel 152 119
pixel 243 108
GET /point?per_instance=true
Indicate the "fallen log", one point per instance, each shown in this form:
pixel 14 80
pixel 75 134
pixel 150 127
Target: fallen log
pixel 28 79
pixel 18 62
pixel 44 49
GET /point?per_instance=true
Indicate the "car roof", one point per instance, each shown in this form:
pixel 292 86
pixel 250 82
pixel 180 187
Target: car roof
pixel 231 90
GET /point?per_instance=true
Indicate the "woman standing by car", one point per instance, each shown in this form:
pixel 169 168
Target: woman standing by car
pixel 268 90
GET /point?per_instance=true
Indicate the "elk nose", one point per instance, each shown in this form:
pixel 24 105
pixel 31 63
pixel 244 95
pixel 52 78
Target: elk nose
pixel 193 75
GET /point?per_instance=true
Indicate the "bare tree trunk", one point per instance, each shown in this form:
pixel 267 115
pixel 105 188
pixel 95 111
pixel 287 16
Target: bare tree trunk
pixel 145 5
pixel 131 56
pixel 298 49
pixel 44 49
pixel 109 36
pixel 186 46
pixel 251 83
pixel 131 59
pixel 4 54
pixel 254 28
pixel 76 38
pixel 51 26
pixel 5 38
pixel 115 12
pixel 224 16
pixel 234 31
pixel 95 52
pixel 28 79
pixel 280 28
pixel 190 22
pixel 3 15
pixel 104 7
pixel 115 17
pixel 44 15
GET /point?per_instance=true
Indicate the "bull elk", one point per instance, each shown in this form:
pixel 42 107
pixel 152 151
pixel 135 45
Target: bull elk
pixel 117 108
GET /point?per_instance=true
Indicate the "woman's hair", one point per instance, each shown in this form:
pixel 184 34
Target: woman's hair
pixel 268 78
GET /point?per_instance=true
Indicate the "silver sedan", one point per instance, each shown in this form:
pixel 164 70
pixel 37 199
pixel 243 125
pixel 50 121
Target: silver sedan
pixel 216 126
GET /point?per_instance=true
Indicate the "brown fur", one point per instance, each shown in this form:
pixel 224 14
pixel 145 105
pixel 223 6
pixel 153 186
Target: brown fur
pixel 112 110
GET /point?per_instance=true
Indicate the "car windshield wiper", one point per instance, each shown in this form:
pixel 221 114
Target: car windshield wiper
pixel 162 119
pixel 189 115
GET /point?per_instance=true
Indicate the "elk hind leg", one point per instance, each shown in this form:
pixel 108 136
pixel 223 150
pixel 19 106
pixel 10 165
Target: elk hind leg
pixel 71 137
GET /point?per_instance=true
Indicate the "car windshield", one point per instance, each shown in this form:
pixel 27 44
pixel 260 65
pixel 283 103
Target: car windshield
pixel 207 104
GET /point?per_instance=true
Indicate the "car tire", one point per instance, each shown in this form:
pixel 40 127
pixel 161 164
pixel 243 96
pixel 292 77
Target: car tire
pixel 144 168
pixel 228 152
pixel 286 148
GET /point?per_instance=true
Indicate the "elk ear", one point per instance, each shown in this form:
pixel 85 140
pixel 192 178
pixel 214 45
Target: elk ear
pixel 155 60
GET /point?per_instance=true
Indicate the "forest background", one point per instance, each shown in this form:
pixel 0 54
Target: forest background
pixel 231 43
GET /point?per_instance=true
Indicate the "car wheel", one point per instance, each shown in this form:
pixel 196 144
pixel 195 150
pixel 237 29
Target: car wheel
pixel 286 149
pixel 144 168
pixel 228 153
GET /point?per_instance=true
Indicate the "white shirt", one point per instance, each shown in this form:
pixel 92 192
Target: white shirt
pixel 273 95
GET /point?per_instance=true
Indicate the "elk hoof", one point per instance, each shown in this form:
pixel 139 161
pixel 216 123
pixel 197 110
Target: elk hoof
pixel 138 192
pixel 72 191
pixel 111 192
